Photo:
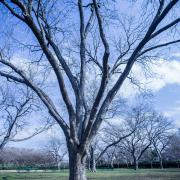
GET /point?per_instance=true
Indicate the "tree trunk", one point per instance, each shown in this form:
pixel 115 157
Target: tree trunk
pixel 127 164
pixel 92 160
pixel 93 166
pixel 89 163
pixel 136 164
pixel 161 163
pixel 151 164
pixel 77 166
pixel 59 165
pixel 112 163
pixel 3 166
pixel 177 164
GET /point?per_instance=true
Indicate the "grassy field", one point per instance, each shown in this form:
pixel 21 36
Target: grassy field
pixel 117 174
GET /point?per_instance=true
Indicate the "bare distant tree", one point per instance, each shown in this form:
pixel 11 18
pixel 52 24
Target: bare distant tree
pixel 172 152
pixel 111 136
pixel 151 127
pixel 56 149
pixel 123 156
pixel 160 144
pixel 162 128
pixel 21 157
pixel 150 156
pixel 139 141
pixel 54 25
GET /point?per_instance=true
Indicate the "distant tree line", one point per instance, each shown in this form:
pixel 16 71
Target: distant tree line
pixel 170 157
pixel 31 159
pixel 115 157
pixel 145 138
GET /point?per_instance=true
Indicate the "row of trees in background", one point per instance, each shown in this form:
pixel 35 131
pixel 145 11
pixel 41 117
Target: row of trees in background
pixel 54 156
pixel 151 158
pixel 51 156
pixel 169 155
pixel 141 136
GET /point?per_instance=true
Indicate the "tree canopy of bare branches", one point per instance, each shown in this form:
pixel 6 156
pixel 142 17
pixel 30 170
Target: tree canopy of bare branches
pixel 75 41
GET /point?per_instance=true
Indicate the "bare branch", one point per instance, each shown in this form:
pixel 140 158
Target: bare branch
pixel 158 46
pixel 165 28
pixel 12 10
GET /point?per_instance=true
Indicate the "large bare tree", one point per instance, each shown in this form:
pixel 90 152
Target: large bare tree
pixel 75 39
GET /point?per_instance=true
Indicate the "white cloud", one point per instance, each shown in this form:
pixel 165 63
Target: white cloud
pixel 176 54
pixel 163 73
pixel 168 72
pixel 173 112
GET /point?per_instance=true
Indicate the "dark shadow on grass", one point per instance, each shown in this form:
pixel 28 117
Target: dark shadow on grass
pixel 4 178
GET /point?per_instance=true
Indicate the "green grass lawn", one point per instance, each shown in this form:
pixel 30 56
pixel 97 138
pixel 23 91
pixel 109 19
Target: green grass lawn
pixel 116 174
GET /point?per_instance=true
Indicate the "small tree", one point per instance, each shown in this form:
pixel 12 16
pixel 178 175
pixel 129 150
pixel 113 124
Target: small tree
pixel 149 156
pixel 160 144
pixel 172 152
pixel 56 149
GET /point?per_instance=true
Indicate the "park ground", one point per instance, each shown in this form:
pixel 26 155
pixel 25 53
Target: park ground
pixel 105 174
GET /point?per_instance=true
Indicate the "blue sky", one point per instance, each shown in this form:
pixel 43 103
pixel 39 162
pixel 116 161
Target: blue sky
pixel 167 100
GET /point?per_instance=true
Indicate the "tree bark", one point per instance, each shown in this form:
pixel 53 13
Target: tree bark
pixel 77 166
pixel 161 163
pixel 93 166
pixel 136 164
pixel 89 163
pixel 112 163
pixel 59 165
pixel 127 164
pixel 151 164
pixel 177 164
pixel 92 160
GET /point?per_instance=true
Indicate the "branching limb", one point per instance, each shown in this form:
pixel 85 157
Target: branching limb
pixel 42 95
pixel 158 46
